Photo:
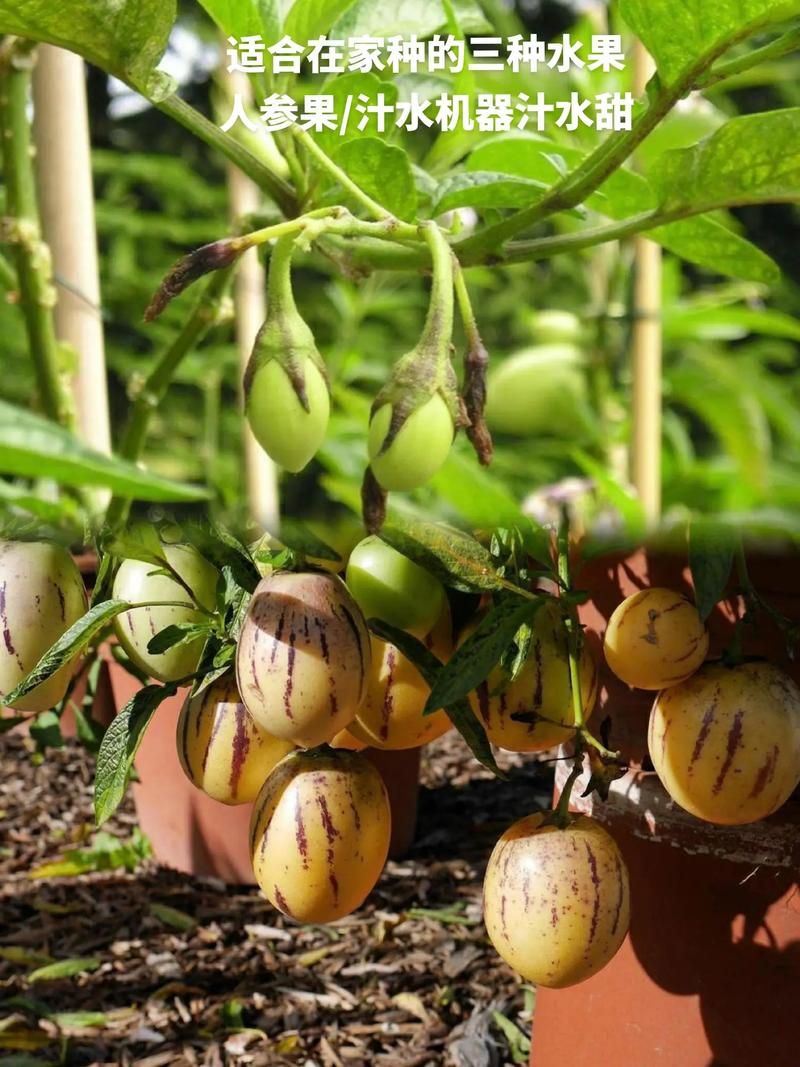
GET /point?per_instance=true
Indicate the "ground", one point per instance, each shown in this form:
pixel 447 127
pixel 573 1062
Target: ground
pixel 181 970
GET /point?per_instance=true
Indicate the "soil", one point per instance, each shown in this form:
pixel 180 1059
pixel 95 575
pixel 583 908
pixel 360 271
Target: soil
pixel 186 970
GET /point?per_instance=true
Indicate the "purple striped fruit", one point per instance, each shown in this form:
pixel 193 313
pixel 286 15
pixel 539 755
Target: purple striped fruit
pixel 319 835
pixel 303 657
pixel 542 687
pixel 221 749
pixel 136 582
pixel 655 639
pixel 391 715
pixel 556 902
pixel 41 596
pixel 726 743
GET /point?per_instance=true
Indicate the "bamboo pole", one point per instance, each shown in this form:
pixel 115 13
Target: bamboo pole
pixel 647 351
pixel 64 180
pixel 250 303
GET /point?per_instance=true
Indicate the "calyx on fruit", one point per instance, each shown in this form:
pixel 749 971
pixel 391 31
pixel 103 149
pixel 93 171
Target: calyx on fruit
pixel 286 384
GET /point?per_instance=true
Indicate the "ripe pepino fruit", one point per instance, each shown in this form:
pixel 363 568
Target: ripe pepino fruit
pixel 221 749
pixel 319 835
pixel 391 715
pixel 41 596
pixel 726 743
pixel 655 639
pixel 287 401
pixel 556 902
pixel 344 739
pixel 303 657
pixel 136 582
pixel 542 687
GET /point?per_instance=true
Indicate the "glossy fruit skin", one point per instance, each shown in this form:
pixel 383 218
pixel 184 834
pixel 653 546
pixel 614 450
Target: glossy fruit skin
pixel 391 715
pixel 319 834
pixel 542 686
pixel 726 743
pixel 41 596
pixel 344 739
pixel 418 451
pixel 303 657
pixel 556 902
pixel 136 582
pixel 557 327
pixel 655 638
pixel 389 586
pixel 540 391
pixel 290 435
pixel 221 749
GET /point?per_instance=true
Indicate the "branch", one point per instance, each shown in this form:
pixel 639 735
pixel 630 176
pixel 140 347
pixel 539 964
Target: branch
pixel 787 42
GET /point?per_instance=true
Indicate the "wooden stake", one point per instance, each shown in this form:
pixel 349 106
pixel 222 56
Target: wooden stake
pixel 647 352
pixel 66 197
pixel 250 292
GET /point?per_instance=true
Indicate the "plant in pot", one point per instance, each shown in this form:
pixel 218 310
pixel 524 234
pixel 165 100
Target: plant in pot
pixel 264 607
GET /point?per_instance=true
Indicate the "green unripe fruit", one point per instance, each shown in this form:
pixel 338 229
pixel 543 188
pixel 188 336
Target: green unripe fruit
pixel 387 585
pixel 540 391
pixel 557 327
pixel 288 433
pixel 136 582
pixel 41 596
pixel 417 452
pixel 221 749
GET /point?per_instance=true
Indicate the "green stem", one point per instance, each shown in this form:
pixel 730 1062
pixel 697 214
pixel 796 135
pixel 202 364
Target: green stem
pixel 202 127
pixel 8 276
pixel 787 42
pixel 280 297
pixel 465 308
pixel 561 814
pixel 31 254
pixel 203 317
pixel 437 332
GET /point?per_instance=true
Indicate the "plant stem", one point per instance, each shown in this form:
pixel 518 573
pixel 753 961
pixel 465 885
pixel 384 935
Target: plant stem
pixel 561 813
pixel 787 42
pixel 437 332
pixel 202 127
pixel 8 276
pixel 31 254
pixel 203 317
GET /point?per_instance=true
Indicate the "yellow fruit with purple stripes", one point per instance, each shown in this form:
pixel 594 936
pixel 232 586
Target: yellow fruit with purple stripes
pixel 655 639
pixel 221 749
pixel 41 596
pixel 541 688
pixel 556 902
pixel 344 739
pixel 726 743
pixel 319 835
pixel 303 657
pixel 391 715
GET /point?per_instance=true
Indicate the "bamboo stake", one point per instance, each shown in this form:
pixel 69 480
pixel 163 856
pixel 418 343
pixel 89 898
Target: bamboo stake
pixel 249 297
pixel 64 180
pixel 647 351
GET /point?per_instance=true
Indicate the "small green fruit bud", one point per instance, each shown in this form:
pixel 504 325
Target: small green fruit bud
pixel 287 431
pixel 419 448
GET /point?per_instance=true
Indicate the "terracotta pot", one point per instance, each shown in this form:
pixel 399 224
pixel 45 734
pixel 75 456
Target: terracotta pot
pixel 710 973
pixel 192 833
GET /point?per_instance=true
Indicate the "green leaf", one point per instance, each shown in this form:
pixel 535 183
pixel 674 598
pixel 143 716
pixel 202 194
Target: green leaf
pixel 473 661
pixel 711 551
pixel 223 550
pixel 178 920
pixel 354 85
pixel 123 37
pixel 753 159
pixel 46 731
pixel 243 18
pixel 68 646
pixel 519 1043
pixel 33 447
pixel 79 1020
pixel 299 538
pixel 120 745
pixel 308 19
pixel 704 241
pixel 682 36
pixel 176 634
pixel 485 189
pixel 384 18
pixel 64 969
pixel 455 558
pixel 460 713
pixel 383 171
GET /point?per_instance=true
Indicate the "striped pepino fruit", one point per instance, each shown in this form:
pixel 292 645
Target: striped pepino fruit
pixel 319 834
pixel 221 749
pixel 556 902
pixel 303 657
pixel 726 742
pixel 41 596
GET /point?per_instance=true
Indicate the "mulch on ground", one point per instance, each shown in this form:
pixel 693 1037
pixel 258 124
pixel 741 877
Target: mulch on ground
pixel 186 970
